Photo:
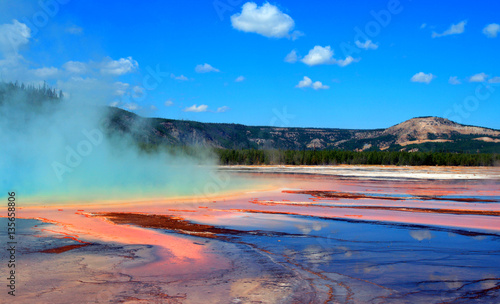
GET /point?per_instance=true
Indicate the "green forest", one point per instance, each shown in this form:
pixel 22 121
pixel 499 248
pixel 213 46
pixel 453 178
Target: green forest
pixel 336 157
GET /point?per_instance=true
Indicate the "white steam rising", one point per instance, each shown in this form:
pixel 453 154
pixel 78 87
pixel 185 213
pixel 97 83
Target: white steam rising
pixel 59 150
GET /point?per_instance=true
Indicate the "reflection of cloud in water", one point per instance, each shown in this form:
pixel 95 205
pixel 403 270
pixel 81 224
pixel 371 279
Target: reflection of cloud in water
pixel 347 252
pixel 306 229
pixel 376 269
pixel 479 237
pixel 420 235
pixel 451 282
pixel 316 255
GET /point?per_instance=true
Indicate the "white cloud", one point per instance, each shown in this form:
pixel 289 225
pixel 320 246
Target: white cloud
pixel 75 67
pixel 132 106
pixel 319 55
pixel 169 103
pixel 368 45
pixel 306 82
pixel 324 55
pixel 347 61
pixel 421 235
pixel 118 67
pixel 296 35
pixel 266 20
pixel 239 79
pixel 454 29
pixel 222 109
pixel 13 35
pixel 120 88
pixel 454 80
pixel 422 77
pixel 423 25
pixel 491 30
pixel 182 77
pixel 495 79
pixel 291 57
pixel 75 30
pixel 205 68
pixel 137 92
pixel 194 108
pixel 46 73
pixel 480 77
pixel 318 85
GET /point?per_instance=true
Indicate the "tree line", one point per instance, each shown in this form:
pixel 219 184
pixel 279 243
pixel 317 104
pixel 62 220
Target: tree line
pixel 337 157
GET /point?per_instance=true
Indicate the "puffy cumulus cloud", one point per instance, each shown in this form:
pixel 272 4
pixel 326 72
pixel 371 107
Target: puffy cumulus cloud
pixel 306 82
pixel 222 109
pixel 454 80
pixel 266 20
pixel 319 55
pixel 367 45
pixel 422 77
pixel 118 67
pixel 239 79
pixel 454 29
pixel 169 103
pixel 480 77
pixel 75 67
pixel 205 68
pixel 324 55
pixel 291 57
pixel 13 36
pixel 491 30
pixel 195 108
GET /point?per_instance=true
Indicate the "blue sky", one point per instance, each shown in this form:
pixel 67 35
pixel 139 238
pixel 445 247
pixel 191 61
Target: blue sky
pixel 224 60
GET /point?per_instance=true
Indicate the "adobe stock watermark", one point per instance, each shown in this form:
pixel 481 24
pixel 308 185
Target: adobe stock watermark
pixel 461 111
pixel 218 182
pixel 76 154
pixel 281 118
pixel 222 7
pixel 372 28
pixel 48 9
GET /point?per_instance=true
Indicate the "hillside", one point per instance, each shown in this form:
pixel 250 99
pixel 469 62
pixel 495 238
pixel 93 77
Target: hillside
pixel 417 134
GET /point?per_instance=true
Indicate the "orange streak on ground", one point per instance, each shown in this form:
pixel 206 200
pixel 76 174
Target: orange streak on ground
pixel 175 254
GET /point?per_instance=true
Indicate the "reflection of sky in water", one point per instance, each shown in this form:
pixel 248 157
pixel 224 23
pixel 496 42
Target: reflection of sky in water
pixel 404 258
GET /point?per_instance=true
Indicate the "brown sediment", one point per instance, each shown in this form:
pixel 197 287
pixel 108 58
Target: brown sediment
pixel 337 194
pixel 177 224
pixel 64 248
pixel 167 222
pixel 403 209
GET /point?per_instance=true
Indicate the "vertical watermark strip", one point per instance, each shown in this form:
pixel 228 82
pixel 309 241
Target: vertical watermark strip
pixel 12 242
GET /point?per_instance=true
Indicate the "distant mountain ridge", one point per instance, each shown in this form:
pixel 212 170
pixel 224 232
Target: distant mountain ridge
pixel 416 134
